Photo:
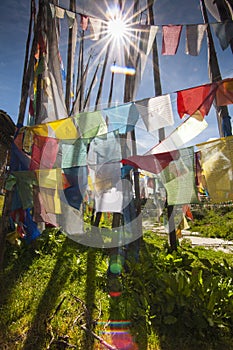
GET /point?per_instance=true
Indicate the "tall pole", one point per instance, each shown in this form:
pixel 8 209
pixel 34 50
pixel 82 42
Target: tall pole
pixel 158 91
pixel 69 61
pixel 214 70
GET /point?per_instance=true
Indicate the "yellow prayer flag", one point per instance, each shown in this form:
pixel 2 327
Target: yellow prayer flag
pixel 63 129
pixel 217 164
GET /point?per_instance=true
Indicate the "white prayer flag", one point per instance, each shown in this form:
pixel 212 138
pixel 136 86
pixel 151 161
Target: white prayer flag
pixel 156 112
pixel 184 133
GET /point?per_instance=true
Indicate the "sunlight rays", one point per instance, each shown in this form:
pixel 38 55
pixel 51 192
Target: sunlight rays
pixel 121 29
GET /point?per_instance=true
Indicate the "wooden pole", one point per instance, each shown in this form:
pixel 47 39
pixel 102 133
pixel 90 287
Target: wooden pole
pixel 99 93
pixel 158 91
pixel 90 88
pixel 214 70
pixel 111 87
pixel 69 69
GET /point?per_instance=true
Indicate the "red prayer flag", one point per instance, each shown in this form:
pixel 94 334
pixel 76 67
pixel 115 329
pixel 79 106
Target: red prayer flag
pixel 154 163
pixel 171 39
pixel 84 22
pixel 197 98
pixel 44 152
pixel 224 93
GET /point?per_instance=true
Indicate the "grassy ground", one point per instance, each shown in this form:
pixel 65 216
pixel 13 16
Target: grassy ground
pixel 55 294
pixel 54 289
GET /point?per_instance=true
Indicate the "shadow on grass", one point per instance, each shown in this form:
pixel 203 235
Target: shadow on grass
pixel 16 262
pixel 37 334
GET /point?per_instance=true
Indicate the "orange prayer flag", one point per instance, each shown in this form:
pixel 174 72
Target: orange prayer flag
pixel 224 93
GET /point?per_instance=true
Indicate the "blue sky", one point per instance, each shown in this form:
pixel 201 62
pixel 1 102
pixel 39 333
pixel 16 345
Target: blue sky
pixel 177 72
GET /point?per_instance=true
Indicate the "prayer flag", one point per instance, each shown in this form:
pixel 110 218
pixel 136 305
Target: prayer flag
pixel 196 98
pixel 70 18
pixel 90 124
pixel 224 33
pixel 179 179
pixel 224 93
pixel 104 149
pixel 95 28
pixel 194 37
pixel 122 117
pixel 77 178
pixel 156 112
pixel 63 129
pixel 184 133
pixel 73 153
pixel 109 201
pixel 60 13
pixel 171 39
pixel 44 152
pixel 217 163
pixel 153 163
pixel 84 22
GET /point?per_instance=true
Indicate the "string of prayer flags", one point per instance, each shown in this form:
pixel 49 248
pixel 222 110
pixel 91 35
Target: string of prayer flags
pixel 216 158
pixel 196 98
pixel 156 112
pixel 194 38
pixel 170 33
pixel 171 39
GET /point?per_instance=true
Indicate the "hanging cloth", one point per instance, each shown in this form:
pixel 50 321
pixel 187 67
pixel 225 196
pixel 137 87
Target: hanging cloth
pixel 156 112
pixel 224 93
pixel 83 22
pixel 90 124
pixel 217 164
pixel 224 33
pixel 95 28
pixel 179 179
pixel 194 38
pixel 184 133
pixel 197 98
pixel 73 153
pixel 171 39
pixel 153 163
pixel 44 152
pixel 122 118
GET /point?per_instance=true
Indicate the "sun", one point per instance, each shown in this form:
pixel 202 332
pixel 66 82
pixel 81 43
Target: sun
pixel 117 28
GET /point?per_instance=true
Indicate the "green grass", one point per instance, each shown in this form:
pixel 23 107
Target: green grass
pixel 173 301
pixel 214 221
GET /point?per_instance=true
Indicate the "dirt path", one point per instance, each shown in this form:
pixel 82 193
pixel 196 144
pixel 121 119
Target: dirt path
pixel 195 238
